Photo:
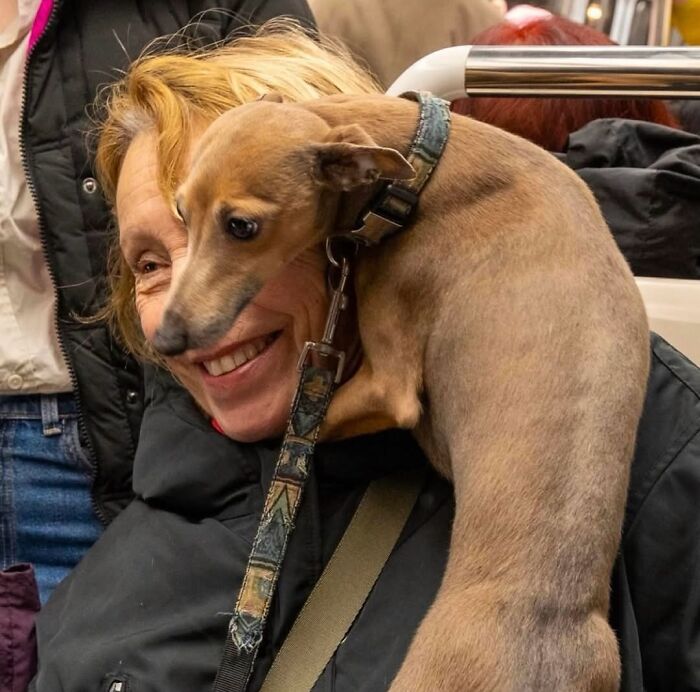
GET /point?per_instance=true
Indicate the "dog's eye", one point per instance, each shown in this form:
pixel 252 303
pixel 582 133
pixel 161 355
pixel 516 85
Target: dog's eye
pixel 243 229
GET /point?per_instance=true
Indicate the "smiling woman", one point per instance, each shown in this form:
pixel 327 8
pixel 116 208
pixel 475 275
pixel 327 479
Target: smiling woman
pixel 154 120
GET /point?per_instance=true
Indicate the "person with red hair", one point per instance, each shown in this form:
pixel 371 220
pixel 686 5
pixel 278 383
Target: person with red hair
pixel 549 121
pixel 643 169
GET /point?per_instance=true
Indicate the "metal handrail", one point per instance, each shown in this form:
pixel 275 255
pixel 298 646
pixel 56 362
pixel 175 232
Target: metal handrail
pixel 540 71
pixel 660 23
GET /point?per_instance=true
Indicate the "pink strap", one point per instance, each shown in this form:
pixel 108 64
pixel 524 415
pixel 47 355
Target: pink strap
pixel 40 21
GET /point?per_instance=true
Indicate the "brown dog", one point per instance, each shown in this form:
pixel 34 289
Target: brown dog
pixel 504 327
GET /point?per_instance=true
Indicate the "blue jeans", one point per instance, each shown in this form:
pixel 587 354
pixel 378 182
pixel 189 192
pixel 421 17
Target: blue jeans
pixel 46 512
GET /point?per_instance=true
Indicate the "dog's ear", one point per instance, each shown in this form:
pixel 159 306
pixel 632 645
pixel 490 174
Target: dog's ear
pixel 349 157
pixel 272 96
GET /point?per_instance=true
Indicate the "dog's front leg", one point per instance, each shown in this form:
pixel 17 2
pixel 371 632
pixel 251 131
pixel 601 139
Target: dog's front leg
pixel 371 401
pixel 523 602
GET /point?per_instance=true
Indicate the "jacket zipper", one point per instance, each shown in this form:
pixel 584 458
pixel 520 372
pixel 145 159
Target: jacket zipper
pixel 82 427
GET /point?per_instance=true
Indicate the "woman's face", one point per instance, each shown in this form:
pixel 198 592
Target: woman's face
pixel 246 380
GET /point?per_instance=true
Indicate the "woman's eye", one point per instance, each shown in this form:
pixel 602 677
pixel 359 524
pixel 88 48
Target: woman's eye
pixel 240 228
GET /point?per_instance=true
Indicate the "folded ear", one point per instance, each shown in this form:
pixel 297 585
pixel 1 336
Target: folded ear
pixel 273 96
pixel 349 158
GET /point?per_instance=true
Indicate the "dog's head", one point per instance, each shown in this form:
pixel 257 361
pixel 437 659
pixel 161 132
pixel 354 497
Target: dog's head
pixel 263 186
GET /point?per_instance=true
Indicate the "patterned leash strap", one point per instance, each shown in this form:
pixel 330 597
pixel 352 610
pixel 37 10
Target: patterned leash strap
pixel 321 369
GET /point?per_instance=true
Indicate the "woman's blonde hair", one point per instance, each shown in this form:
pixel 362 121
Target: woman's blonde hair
pixel 171 93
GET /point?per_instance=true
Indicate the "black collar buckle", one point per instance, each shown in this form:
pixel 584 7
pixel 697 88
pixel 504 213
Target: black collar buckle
pixel 393 207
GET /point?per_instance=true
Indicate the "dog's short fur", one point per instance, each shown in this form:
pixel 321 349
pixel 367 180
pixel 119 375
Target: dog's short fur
pixel 504 327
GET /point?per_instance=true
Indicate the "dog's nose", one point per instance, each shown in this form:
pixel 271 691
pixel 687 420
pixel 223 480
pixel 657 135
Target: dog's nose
pixel 171 337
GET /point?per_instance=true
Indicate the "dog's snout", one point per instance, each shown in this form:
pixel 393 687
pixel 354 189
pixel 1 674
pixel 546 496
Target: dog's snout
pixel 171 337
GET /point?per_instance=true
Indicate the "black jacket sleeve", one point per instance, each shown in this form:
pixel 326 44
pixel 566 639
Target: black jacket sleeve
pixel 221 19
pixel 299 9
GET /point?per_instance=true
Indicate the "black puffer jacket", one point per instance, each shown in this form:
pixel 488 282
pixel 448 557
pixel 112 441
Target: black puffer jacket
pixel 148 603
pixel 646 179
pixel 84 45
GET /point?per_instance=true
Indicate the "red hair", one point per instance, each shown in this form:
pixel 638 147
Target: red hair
pixel 549 121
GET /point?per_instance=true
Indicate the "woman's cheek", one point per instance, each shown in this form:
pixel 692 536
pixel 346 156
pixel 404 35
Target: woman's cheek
pixel 152 294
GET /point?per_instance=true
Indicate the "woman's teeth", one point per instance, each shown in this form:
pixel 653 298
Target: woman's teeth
pixel 231 361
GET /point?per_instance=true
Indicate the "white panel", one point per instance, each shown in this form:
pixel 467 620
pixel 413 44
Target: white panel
pixel 673 306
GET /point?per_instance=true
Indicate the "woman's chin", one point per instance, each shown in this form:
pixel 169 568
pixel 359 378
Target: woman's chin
pixel 252 426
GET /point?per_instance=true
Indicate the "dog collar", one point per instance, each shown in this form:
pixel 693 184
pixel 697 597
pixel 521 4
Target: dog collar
pixel 393 207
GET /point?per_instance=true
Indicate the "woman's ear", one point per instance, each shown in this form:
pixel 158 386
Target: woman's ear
pixel 349 158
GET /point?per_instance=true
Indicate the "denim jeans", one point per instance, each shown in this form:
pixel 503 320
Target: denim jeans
pixel 46 513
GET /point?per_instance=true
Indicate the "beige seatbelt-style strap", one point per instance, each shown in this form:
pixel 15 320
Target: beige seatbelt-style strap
pixel 345 583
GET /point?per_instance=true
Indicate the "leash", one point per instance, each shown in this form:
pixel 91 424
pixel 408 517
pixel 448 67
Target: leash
pixel 321 367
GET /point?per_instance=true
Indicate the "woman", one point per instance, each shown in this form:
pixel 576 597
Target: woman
pixel 148 607
pixel 189 541
pixel 643 170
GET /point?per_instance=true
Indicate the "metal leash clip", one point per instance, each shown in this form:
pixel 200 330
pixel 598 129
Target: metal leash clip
pixel 323 350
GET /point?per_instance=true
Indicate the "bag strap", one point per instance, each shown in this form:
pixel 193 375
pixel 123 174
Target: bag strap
pixel 345 583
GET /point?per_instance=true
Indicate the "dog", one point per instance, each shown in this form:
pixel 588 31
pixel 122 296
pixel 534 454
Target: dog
pixel 503 327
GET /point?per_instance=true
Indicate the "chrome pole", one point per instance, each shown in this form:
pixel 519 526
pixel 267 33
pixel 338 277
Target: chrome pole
pixel 623 16
pixel 611 71
pixel 660 23
pixel 575 10
pixel 583 71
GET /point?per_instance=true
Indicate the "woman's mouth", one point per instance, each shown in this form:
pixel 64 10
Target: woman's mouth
pixel 240 356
